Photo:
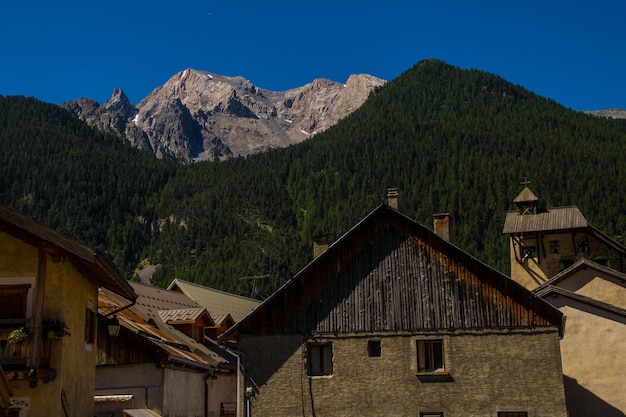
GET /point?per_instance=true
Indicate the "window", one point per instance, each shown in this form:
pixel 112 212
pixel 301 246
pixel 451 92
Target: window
pixel 529 252
pixel 320 359
pixel 512 414
pixel 583 247
pixel 13 301
pixel 432 414
pixel 90 324
pixel 566 263
pixel 430 356
pixel 602 260
pixel 373 348
pixel 555 246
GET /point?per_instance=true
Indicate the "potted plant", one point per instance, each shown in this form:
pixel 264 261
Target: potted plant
pixel 55 329
pixel 18 336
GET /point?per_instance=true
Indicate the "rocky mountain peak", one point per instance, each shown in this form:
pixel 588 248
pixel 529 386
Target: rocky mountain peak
pixel 120 104
pixel 198 115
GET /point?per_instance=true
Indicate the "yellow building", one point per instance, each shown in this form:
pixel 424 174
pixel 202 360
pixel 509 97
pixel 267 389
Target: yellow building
pixel 48 318
pixel 570 264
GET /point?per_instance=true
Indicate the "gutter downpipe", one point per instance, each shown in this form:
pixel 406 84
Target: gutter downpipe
pixel 240 372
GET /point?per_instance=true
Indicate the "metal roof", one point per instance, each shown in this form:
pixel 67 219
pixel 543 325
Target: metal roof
pixel 216 301
pixel 186 315
pixel 178 346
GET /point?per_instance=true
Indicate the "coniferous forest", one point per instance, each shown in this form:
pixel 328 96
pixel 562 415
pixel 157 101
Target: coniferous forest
pixel 451 140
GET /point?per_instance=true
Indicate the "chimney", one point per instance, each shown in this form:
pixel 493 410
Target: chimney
pixel 321 243
pixel 442 225
pixel 392 198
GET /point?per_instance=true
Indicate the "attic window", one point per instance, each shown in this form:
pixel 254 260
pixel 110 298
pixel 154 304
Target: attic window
pixel 320 359
pixel 373 348
pixel 555 246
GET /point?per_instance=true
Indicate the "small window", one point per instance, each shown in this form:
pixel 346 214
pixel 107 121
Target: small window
pixel 512 414
pixel 432 414
pixel 373 348
pixel 555 246
pixel 583 247
pixel 566 263
pixel 430 356
pixel 602 260
pixel 13 301
pixel 90 324
pixel 320 359
pixel 529 252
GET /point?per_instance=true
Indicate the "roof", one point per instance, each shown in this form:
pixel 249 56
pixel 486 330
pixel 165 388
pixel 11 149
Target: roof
pixel 89 261
pixel 585 269
pixel 581 264
pixel 153 299
pixel 185 315
pixel 526 196
pixel 561 218
pixel 144 319
pixel 551 292
pixel 389 273
pixel 216 301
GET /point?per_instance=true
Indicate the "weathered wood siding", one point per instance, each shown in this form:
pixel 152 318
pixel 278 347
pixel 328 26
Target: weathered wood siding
pixel 391 274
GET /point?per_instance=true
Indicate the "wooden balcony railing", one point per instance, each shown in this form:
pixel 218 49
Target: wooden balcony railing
pixel 16 358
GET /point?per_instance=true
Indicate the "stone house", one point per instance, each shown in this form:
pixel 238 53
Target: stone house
pixel 392 319
pixel 49 290
pixel 575 267
pixel 161 361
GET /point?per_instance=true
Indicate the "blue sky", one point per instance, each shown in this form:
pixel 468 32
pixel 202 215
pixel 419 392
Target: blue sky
pixel 570 51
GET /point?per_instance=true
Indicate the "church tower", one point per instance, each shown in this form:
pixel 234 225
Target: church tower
pixel 543 242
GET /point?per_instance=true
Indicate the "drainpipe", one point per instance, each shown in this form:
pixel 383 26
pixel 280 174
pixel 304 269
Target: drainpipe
pixel 207 378
pixel 239 355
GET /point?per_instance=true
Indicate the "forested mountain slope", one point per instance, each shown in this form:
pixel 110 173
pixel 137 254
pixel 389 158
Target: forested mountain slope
pixel 452 140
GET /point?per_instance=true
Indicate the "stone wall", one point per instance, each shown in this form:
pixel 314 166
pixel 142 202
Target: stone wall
pixel 486 372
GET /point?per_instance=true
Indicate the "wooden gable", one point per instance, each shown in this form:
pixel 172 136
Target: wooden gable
pixel 389 273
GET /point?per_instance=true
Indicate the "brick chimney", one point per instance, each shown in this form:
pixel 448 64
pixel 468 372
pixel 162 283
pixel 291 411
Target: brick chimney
pixel 442 225
pixel 392 198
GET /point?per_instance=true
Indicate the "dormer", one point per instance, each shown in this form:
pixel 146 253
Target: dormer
pixel 191 321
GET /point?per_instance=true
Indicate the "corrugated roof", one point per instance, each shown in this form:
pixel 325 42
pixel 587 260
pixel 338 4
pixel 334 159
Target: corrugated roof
pixel 560 218
pixel 178 346
pixel 216 301
pixel 186 315
pixel 89 261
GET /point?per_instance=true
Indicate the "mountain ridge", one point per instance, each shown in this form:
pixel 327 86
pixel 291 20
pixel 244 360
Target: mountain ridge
pixel 199 115
pixel 450 140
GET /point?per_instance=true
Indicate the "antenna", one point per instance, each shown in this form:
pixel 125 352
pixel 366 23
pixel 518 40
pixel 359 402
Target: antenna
pixel 254 279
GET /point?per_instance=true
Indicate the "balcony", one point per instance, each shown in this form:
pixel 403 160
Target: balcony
pixel 15 358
